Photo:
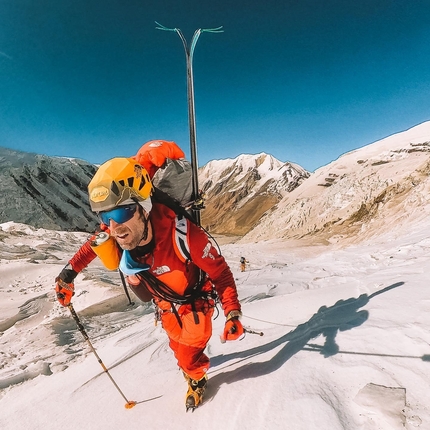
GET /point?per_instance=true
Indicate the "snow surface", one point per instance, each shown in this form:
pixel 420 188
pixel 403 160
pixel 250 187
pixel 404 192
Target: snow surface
pixel 345 345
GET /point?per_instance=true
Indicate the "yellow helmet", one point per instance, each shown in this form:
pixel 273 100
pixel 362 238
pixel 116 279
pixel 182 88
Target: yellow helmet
pixel 117 182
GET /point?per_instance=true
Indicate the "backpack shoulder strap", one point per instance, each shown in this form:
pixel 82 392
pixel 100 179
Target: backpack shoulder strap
pixel 180 233
pixel 180 239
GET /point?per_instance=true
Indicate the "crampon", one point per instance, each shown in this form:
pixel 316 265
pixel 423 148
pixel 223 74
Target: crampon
pixel 195 393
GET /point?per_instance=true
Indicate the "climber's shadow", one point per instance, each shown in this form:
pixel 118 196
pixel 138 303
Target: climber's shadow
pixel 328 321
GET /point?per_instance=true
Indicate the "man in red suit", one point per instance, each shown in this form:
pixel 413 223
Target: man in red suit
pixel 165 258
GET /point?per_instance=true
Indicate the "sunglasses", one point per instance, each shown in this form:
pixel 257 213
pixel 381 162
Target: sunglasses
pixel 120 214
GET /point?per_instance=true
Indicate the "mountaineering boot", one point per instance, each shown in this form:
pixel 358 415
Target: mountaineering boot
pixel 195 392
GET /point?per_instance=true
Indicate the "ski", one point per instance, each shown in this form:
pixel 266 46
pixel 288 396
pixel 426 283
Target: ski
pixel 189 53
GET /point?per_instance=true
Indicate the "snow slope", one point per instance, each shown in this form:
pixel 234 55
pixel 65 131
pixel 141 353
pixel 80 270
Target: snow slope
pixel 346 341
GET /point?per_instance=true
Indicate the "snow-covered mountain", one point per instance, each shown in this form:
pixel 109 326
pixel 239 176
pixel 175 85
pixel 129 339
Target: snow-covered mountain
pixel 352 198
pixel 48 192
pixel 240 190
pixel 252 195
pixel 51 192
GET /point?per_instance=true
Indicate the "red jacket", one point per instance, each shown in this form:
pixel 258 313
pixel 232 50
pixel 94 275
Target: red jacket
pixel 168 267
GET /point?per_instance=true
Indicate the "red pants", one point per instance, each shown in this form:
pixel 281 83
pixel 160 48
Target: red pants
pixel 189 341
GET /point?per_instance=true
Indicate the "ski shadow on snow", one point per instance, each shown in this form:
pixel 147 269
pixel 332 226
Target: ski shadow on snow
pixel 328 321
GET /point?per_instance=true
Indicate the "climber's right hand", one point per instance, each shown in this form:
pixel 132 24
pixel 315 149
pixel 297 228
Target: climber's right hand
pixel 233 329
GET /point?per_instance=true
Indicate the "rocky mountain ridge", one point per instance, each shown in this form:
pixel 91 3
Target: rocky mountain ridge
pixel 45 192
pixel 51 192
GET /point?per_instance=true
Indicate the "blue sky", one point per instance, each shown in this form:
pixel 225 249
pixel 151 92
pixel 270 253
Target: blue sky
pixel 303 80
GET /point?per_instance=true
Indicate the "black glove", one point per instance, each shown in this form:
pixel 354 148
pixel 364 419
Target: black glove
pixel 67 275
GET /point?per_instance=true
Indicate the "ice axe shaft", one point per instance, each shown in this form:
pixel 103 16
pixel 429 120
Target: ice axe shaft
pixel 129 403
pixel 250 331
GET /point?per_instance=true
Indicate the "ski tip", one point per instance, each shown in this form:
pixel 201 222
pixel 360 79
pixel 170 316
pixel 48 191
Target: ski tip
pixel 130 404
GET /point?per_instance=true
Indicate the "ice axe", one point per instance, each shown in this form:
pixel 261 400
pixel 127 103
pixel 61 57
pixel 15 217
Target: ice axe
pixel 245 330
pixel 250 331
pixel 130 403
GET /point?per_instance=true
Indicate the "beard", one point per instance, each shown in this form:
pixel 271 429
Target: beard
pixel 129 235
pixel 127 238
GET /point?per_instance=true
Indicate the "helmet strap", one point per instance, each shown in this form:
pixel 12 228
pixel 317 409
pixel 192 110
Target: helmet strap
pixel 145 231
pixel 145 217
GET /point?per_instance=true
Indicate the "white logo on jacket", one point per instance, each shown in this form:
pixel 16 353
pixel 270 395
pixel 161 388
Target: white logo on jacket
pixel 207 253
pixel 162 269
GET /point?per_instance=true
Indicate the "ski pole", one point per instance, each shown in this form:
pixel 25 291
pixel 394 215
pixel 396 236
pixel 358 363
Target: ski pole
pixel 130 302
pixel 129 403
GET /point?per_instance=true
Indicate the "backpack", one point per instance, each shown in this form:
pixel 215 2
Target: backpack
pixel 168 169
pixel 171 176
pixel 175 179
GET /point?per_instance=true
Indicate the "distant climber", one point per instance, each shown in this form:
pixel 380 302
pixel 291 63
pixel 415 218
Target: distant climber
pixel 243 263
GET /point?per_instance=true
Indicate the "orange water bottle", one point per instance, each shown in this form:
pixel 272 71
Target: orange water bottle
pixel 106 248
